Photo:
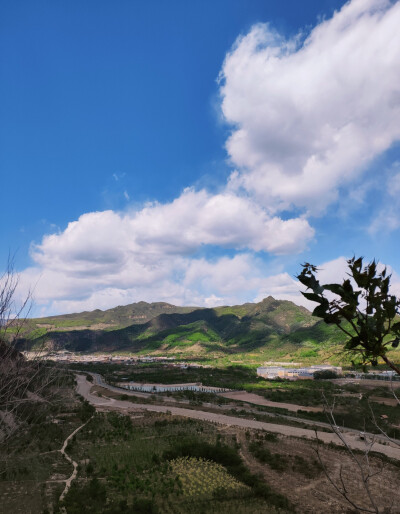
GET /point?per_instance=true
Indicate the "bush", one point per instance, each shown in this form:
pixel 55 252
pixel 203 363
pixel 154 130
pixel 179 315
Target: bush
pixel 90 498
pixel 144 506
pixel 220 493
pixel 269 436
pixel 85 411
pixel 306 468
pixel 274 460
pixel 325 374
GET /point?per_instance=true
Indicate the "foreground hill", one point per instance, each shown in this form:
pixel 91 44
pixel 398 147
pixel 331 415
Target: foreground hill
pixel 271 329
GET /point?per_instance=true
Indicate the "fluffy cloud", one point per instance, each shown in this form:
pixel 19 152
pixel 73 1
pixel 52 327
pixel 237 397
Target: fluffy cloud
pixel 227 220
pixel 181 281
pixel 105 258
pixel 194 219
pixel 178 280
pixel 308 116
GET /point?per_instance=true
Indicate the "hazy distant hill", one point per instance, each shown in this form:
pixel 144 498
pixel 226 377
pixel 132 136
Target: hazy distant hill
pixel 272 326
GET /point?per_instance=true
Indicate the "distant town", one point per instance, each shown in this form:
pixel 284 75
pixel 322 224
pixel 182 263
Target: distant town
pixel 71 357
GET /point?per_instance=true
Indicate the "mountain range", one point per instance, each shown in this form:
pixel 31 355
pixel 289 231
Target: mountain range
pixel 271 328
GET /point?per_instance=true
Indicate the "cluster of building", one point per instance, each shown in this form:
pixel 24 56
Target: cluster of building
pixel 66 356
pixel 273 372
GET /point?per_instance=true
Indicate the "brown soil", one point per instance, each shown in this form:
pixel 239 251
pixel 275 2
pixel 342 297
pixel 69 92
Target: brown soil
pixel 317 495
pixel 392 402
pixel 368 383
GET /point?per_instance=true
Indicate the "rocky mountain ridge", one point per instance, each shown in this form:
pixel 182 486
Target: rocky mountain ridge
pixel 273 327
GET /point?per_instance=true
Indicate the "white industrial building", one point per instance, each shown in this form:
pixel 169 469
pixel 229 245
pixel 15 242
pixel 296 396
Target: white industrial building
pixel 164 388
pixel 272 372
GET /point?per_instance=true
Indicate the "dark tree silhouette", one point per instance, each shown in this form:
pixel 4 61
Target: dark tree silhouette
pixel 361 307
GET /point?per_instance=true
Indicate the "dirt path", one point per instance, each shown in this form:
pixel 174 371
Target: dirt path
pixel 74 464
pixel 253 465
pixel 83 388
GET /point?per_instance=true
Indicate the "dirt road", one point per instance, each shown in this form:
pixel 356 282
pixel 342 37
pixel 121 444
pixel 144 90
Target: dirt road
pixel 84 387
pixel 259 400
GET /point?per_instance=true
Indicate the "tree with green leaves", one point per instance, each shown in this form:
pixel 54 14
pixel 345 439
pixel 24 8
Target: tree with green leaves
pixel 361 307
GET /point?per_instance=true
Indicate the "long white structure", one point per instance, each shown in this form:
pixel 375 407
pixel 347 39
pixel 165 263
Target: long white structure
pixel 164 388
pixel 272 372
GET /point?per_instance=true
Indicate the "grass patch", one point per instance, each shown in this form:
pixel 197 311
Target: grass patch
pixel 204 478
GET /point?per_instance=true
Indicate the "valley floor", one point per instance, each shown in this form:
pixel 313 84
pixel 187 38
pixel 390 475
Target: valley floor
pixel 127 453
pixel 352 439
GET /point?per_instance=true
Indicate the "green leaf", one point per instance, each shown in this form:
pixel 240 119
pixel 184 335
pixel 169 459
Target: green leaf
pixel 335 288
pixel 353 343
pixel 320 311
pixel 370 324
pixel 313 297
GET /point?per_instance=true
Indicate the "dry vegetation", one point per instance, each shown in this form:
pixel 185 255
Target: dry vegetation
pixel 296 472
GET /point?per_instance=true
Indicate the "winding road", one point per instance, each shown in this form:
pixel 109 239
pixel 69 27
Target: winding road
pixel 351 437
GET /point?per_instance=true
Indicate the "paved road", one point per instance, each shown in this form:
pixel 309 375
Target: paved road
pixel 84 387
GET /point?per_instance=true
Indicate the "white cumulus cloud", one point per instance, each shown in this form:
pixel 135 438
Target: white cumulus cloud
pixel 309 115
pixel 108 239
pixel 106 257
pixel 177 280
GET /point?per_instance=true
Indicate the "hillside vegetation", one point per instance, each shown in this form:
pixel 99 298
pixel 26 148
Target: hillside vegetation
pixel 251 332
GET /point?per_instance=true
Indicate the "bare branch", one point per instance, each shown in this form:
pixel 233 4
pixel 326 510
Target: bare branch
pixel 342 491
pixel 22 382
pixel 365 474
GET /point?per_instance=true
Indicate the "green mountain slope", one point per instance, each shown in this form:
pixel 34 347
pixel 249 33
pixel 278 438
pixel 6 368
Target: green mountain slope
pixel 117 317
pixel 270 329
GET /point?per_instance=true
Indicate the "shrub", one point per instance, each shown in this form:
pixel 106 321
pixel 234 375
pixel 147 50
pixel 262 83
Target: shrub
pixel 305 467
pixel 144 506
pixel 325 374
pixel 274 460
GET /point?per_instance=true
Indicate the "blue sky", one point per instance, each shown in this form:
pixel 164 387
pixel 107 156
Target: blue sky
pixel 195 152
